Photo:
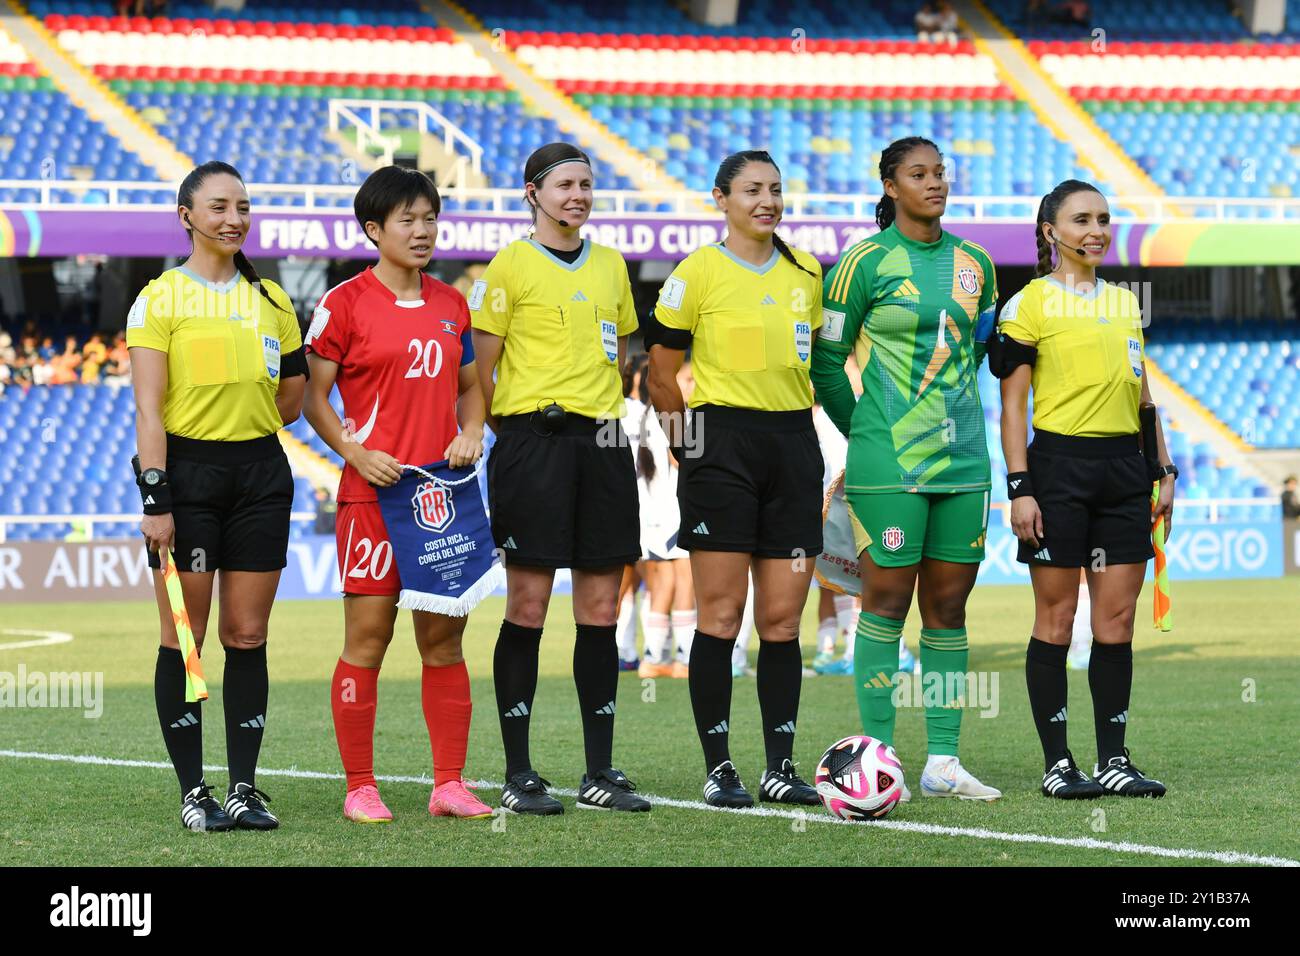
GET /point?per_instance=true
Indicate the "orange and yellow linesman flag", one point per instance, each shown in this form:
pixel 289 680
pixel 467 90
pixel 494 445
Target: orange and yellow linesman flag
pixel 1161 607
pixel 196 688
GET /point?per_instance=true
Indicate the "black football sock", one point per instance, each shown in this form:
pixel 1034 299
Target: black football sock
pixel 182 723
pixel 1045 677
pixel 780 673
pixel 595 674
pixel 514 672
pixel 1110 678
pixel 710 687
pixel 244 694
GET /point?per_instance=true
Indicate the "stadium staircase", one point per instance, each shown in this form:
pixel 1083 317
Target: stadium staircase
pixel 85 90
pixel 645 174
pixel 1054 106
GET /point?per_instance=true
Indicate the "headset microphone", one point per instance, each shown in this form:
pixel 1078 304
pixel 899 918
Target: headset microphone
pixel 537 204
pixel 190 223
pixel 1076 251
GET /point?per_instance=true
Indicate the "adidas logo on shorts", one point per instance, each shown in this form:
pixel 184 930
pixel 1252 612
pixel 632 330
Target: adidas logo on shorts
pixel 510 543
pixel 701 528
pixel 1043 555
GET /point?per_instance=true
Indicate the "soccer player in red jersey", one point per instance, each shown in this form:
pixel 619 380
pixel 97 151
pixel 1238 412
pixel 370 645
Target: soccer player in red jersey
pixel 397 343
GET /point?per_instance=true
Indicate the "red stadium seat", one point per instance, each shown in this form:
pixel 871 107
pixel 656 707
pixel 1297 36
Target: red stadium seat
pixel 56 22
pixel 76 22
pixel 425 35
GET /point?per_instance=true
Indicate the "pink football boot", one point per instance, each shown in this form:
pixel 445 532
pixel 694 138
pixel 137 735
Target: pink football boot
pixel 363 805
pixel 453 799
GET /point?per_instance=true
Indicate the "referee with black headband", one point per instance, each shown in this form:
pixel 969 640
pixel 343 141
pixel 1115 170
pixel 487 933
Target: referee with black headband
pixel 1081 492
pixel 218 369
pixel 551 316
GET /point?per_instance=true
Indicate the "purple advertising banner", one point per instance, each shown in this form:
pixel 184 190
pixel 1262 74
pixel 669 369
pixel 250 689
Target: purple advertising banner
pixel 478 236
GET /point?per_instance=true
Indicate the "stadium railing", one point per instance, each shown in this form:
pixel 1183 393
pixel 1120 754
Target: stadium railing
pixel 682 203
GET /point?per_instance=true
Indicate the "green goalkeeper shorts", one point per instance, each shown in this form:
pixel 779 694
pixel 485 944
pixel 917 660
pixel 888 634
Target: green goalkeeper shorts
pixel 898 529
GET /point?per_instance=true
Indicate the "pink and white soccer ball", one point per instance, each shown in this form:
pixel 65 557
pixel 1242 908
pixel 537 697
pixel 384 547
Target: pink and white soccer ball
pixel 859 778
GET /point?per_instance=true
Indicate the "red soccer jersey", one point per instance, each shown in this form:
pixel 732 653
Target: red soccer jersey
pixel 399 368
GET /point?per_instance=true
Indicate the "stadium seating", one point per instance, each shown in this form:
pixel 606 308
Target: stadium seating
pixel 1125 20
pixel 67 450
pixel 1248 375
pixel 44 135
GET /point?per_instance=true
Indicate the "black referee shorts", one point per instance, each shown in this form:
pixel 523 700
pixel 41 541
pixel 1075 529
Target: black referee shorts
pixel 1095 497
pixel 756 486
pixel 564 500
pixel 231 503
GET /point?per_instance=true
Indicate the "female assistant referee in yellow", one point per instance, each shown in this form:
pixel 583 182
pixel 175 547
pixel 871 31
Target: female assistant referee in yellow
pixel 751 468
pixel 1081 493
pixel 218 368
pixel 551 316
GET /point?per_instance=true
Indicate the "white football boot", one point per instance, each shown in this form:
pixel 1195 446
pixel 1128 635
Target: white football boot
pixel 944 776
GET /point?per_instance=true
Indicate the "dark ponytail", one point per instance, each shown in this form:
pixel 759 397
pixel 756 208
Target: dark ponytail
pixel 890 160
pixel 1047 211
pixel 727 173
pixel 185 197
pixel 638 364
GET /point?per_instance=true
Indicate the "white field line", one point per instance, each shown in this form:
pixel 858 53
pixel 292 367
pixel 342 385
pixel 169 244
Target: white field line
pixel 45 638
pixel 977 833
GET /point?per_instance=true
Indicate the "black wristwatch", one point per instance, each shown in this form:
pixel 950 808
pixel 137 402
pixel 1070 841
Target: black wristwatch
pixel 1167 470
pixel 152 478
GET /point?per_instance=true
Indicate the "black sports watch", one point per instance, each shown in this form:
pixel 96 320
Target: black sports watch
pixel 1170 469
pixel 152 478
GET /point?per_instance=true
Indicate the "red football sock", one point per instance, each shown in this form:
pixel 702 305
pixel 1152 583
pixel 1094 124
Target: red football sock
pixel 353 698
pixel 444 692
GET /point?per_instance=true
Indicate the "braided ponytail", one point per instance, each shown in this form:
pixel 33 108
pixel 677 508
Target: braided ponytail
pixel 890 159
pixel 1047 211
pixel 785 251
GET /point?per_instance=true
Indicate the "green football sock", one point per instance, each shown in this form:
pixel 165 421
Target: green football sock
pixel 875 659
pixel 944 653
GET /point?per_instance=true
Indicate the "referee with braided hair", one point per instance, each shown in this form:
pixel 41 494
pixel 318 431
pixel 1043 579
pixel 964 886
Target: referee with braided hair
pixel 217 368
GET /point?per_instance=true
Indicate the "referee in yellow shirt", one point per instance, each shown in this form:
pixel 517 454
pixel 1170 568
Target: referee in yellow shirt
pixel 551 317
pixel 217 368
pixel 750 484
pixel 1081 493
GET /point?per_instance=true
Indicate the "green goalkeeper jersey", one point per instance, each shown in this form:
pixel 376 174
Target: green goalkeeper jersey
pixel 917 316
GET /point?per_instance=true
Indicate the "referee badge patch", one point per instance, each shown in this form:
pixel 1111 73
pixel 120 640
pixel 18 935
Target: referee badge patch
pixel 802 340
pixel 271 353
pixel 135 318
pixel 891 539
pixel 967 280
pixel 1135 356
pixel 609 339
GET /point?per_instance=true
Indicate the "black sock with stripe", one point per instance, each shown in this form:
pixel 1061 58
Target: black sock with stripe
pixel 1110 678
pixel 244 695
pixel 514 674
pixel 1048 686
pixel 182 723
pixel 710 686
pixel 595 674
pixel 780 674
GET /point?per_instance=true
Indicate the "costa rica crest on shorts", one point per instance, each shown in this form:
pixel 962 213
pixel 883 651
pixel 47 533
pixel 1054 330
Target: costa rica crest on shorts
pixel 433 506
pixel 892 538
pixel 967 280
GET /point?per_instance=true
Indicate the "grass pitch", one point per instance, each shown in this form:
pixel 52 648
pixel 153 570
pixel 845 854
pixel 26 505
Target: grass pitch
pixel 1213 716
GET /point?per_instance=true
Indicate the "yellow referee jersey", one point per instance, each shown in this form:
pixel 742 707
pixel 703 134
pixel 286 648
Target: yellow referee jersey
pixel 1088 376
pixel 224 343
pixel 561 323
pixel 753 326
